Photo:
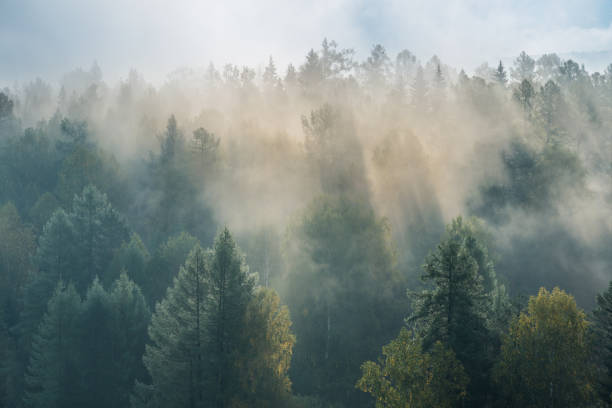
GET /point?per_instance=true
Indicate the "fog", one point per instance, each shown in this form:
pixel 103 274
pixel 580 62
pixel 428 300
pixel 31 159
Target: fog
pixel 340 168
pixel 418 140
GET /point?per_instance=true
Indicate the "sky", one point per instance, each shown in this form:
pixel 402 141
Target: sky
pixel 47 38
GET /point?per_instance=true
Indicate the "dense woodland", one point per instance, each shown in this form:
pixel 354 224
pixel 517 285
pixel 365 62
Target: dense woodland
pixel 340 233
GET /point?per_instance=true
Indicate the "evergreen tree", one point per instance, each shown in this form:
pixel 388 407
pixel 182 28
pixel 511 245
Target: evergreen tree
pixel 549 110
pixel 98 231
pixel 524 67
pixel 500 74
pixel 95 363
pixel 178 175
pixel 376 69
pixel 130 319
pixel 355 277
pixel 420 91
pixel 52 377
pixel 263 364
pixel 454 311
pixel 132 258
pixel 603 340
pixel 165 265
pixel 54 257
pixel 270 77
pixel 177 356
pixel 231 290
pixel 524 94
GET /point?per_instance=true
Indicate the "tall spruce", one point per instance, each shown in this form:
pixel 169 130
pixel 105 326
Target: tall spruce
pixel 454 311
pixel 231 290
pixel 602 317
pixel 130 319
pixel 177 354
pixel 52 377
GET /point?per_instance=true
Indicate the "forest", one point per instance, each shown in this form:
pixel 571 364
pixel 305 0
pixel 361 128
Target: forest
pixel 386 232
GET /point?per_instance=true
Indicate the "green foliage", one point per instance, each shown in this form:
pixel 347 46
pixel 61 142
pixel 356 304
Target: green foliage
pixel 263 364
pixel 132 258
pixel 130 319
pixel 230 292
pixel 52 377
pixel 545 357
pixel 176 356
pixel 602 328
pixel 332 150
pixel 500 74
pixel 165 264
pixel 82 351
pixel 95 362
pixel 354 277
pixel 178 175
pixel 99 229
pixel 214 341
pixel 536 180
pixel 74 247
pixel 408 377
pixel 17 247
pixel 460 309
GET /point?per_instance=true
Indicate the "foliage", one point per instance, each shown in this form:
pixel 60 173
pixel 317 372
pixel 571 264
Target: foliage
pixel 409 377
pixel 545 356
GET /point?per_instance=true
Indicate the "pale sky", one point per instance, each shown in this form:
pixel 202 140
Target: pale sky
pixel 49 37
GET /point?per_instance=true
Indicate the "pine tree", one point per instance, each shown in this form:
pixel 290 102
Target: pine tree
pixel 165 265
pixel 177 356
pixel 603 335
pixel 263 364
pixel 355 277
pixel 231 290
pixel 500 74
pixel 96 348
pixel 454 311
pixel 52 377
pixel 132 258
pixel 54 257
pixel 420 91
pixel 524 67
pixel 206 346
pixel 270 77
pixel 130 319
pixel 98 230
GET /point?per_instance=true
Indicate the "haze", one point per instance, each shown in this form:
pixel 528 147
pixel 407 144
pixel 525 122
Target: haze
pixel 39 38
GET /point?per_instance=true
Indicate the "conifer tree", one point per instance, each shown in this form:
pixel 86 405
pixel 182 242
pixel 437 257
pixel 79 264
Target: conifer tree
pixel 130 319
pixel 603 341
pixel 98 230
pixel 263 364
pixel 176 358
pixel 454 311
pixel 52 377
pixel 231 290
pixel 500 74
pixel 96 348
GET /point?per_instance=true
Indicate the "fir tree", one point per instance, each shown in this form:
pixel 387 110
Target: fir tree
pixel 176 358
pixel 231 290
pixel 52 377
pixel 454 311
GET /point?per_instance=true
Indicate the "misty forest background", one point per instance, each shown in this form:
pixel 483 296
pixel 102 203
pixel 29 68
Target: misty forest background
pixel 383 203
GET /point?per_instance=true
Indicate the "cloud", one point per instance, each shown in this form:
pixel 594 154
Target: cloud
pixel 38 37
